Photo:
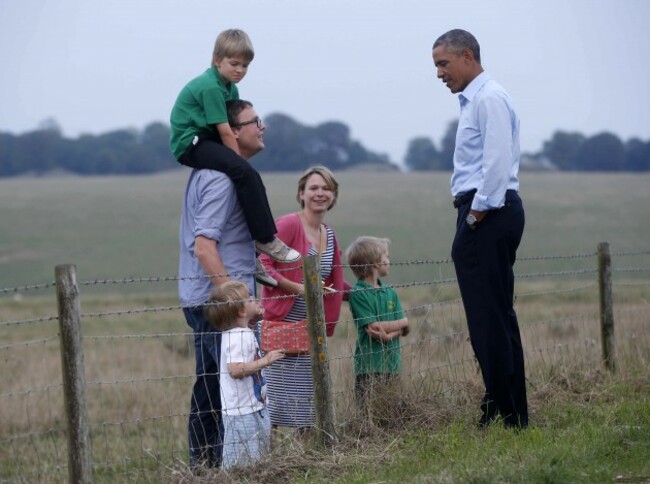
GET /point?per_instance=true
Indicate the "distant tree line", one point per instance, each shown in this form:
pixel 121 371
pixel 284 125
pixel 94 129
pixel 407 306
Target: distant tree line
pixel 564 151
pixel 290 146
pixel 117 152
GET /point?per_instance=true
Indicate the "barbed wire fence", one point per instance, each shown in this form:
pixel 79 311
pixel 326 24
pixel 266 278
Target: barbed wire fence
pixel 137 364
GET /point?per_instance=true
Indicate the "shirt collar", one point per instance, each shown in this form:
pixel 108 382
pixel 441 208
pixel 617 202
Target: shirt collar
pixel 226 86
pixel 365 284
pixel 473 87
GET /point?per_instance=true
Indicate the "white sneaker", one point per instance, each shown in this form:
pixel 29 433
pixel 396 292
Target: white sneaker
pixel 278 251
pixel 262 276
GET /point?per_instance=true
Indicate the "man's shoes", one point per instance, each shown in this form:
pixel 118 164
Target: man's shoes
pixel 278 251
pixel 262 276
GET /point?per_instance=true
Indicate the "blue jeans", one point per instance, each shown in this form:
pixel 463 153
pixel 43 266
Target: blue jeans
pixel 205 424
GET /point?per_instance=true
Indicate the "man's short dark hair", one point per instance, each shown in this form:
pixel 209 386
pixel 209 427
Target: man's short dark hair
pixel 457 40
pixel 234 108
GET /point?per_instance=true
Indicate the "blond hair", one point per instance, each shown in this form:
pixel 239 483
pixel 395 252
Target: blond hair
pixel 327 175
pixel 364 252
pixel 226 303
pixel 233 43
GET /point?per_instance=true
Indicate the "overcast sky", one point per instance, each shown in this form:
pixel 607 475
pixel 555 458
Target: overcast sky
pixel 94 66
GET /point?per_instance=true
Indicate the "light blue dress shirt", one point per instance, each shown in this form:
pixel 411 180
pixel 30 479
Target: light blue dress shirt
pixel 486 157
pixel 211 209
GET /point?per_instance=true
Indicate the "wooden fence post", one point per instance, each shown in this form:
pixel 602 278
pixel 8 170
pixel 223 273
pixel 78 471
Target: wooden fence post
pixel 323 400
pixel 606 306
pixel 74 379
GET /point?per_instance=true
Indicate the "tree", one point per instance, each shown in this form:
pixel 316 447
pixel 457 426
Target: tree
pixel 562 149
pixel 38 151
pixel 8 166
pixel 448 146
pixel 283 140
pixel 155 147
pixel 422 155
pixel 330 144
pixel 637 155
pixel 602 152
pixel 50 124
pixel 291 146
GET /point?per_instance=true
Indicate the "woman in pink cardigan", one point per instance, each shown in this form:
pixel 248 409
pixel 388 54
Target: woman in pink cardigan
pixel 290 385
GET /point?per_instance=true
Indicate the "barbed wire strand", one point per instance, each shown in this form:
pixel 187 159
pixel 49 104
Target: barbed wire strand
pixel 450 280
pixel 28 343
pixel 412 262
pixel 28 288
pixel 28 321
pixel 456 369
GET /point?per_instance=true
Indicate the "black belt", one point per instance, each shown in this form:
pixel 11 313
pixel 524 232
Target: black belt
pixel 467 197
pixel 464 198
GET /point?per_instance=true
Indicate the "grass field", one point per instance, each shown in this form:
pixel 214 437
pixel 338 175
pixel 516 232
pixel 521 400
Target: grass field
pixel 588 425
pixel 116 227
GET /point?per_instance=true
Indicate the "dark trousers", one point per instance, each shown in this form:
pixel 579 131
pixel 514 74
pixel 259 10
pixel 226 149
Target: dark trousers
pixel 205 424
pixel 251 192
pixel 484 260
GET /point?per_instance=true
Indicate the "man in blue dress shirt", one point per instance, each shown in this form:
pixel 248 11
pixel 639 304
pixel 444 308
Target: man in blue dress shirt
pixel 489 225
pixel 215 245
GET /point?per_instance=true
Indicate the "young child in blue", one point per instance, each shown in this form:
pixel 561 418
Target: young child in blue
pixel 201 137
pixel 247 427
pixel 378 317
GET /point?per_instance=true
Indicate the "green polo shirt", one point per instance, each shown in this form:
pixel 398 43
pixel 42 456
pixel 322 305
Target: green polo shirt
pixel 369 304
pixel 200 105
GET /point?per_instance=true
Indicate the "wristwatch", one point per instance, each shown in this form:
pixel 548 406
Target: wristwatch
pixel 471 221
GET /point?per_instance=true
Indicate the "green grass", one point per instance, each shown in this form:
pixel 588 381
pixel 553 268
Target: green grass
pixel 587 426
pixel 597 431
pixel 576 445
pixel 117 227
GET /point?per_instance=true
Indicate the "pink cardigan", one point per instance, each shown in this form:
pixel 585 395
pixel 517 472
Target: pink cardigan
pixel 292 233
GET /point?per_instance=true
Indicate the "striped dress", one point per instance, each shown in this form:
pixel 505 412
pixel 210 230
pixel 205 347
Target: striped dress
pixel 290 388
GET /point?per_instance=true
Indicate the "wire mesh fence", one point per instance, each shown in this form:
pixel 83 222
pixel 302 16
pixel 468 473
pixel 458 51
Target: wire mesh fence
pixel 139 365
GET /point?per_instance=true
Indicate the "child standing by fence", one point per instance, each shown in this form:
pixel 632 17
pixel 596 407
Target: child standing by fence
pixel 243 389
pixel 378 316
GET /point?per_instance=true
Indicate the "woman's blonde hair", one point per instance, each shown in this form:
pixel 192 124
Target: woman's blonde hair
pixel 233 43
pixel 225 303
pixel 327 175
pixel 364 253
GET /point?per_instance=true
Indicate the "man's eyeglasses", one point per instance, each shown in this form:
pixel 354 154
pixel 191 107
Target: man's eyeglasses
pixel 257 121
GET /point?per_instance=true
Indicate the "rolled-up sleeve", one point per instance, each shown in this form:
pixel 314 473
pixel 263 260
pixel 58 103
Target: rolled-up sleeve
pixel 214 205
pixel 495 121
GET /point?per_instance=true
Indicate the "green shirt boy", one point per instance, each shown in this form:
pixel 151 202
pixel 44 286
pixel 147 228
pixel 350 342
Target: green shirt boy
pixel 370 304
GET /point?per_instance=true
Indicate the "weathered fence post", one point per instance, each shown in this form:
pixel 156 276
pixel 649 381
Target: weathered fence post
pixel 74 380
pixel 606 306
pixel 323 402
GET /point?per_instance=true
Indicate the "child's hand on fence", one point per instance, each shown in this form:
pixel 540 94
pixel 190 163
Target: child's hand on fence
pixel 328 289
pixel 299 289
